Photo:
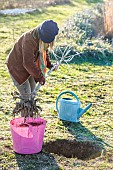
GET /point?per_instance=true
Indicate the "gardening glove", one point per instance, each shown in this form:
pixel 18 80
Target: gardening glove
pixel 41 80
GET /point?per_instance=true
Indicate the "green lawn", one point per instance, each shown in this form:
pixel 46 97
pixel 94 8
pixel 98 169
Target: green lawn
pixel 91 82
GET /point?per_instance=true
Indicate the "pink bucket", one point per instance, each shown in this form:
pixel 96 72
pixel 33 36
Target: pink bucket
pixel 27 137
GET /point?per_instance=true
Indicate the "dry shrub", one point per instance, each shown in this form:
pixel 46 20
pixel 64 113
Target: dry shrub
pixel 9 4
pixel 103 19
pixel 58 2
pixel 98 20
pixel 108 19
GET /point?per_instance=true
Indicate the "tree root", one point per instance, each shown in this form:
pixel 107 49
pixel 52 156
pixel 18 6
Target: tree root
pixel 27 108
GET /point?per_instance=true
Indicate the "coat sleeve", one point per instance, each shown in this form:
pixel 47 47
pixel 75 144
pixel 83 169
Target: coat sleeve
pixel 29 63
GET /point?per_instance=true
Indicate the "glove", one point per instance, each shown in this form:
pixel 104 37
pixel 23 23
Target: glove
pixel 41 80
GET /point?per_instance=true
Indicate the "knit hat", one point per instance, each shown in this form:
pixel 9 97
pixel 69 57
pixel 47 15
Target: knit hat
pixel 48 30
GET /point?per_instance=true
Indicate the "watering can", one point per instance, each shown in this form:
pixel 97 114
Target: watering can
pixel 69 109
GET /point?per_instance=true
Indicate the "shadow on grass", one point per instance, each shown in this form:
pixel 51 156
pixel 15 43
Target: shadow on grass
pixel 71 56
pixel 94 1
pixel 80 132
pixel 84 145
pixel 36 161
pixel 93 60
pixel 84 58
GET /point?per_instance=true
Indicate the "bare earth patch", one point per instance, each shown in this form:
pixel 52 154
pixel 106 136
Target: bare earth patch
pixel 72 148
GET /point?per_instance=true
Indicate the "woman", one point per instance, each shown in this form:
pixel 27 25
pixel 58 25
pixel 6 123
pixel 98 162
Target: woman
pixel 29 57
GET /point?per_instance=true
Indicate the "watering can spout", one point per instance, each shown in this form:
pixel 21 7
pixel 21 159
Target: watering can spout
pixel 82 111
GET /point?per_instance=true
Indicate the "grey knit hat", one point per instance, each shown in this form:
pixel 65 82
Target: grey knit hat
pixel 48 30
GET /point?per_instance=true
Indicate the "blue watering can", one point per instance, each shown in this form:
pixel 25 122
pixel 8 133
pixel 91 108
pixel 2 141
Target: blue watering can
pixel 69 109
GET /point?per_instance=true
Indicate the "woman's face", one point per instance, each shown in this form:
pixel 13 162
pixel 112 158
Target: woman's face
pixel 47 45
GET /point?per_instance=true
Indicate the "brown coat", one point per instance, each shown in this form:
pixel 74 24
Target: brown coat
pixel 21 61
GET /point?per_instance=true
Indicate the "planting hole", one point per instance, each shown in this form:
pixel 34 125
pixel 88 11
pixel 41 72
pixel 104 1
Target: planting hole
pixel 72 148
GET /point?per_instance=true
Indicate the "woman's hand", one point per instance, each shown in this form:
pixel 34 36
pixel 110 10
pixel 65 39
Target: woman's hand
pixel 42 80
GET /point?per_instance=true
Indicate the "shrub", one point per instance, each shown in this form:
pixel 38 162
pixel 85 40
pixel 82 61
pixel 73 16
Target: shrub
pixel 85 32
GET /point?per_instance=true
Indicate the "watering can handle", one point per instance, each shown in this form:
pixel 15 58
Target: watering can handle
pixel 67 91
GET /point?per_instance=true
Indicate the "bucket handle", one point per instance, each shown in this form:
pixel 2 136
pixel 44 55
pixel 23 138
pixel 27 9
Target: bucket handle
pixel 67 91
